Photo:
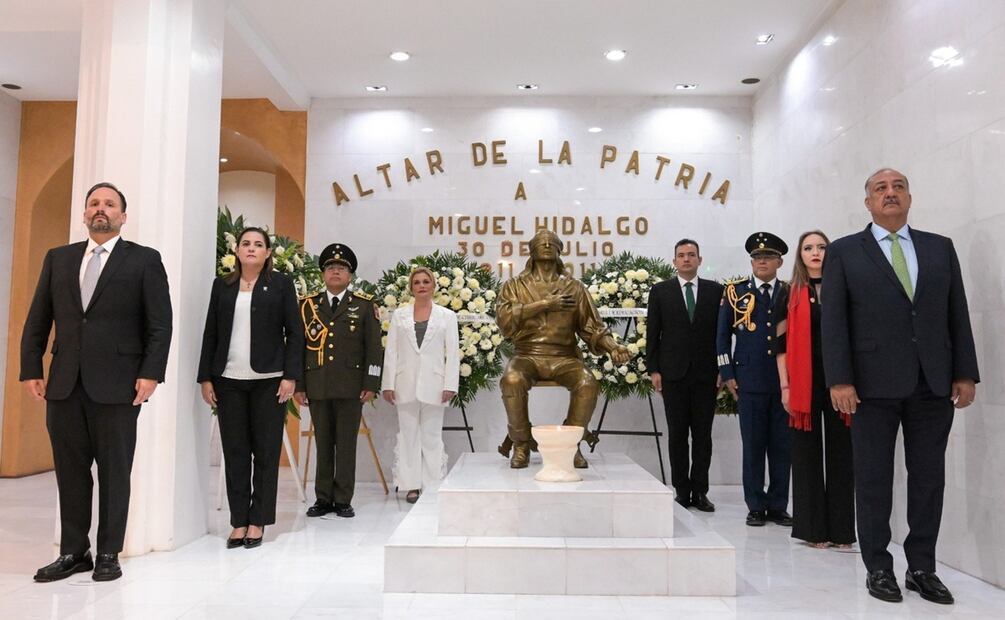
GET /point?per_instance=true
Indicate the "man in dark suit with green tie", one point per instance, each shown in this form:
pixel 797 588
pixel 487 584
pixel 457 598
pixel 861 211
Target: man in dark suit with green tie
pixel 898 351
pixel 342 360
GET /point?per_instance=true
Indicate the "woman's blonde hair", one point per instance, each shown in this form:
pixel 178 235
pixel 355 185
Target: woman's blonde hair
pixel 425 270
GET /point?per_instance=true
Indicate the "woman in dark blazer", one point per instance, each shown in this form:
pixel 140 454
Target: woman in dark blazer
pixel 252 357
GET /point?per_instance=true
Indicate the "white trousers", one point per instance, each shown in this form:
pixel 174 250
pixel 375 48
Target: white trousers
pixel 420 460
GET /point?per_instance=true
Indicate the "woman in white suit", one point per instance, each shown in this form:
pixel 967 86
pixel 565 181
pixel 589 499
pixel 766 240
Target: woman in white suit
pixel 421 373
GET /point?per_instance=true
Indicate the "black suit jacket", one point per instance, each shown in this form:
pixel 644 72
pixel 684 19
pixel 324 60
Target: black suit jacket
pixel 876 338
pixel 277 336
pixel 124 333
pixel 675 345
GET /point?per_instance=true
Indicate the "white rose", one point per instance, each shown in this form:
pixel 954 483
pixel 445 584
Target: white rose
pixel 278 249
pixel 383 341
pixel 610 378
pixel 228 261
pixel 621 280
pixel 490 356
pixel 641 342
pixel 458 272
pixel 465 294
pixel 631 378
pixel 642 365
pixel 443 299
pixel 594 289
pixel 630 274
pixel 465 331
pixel 479 304
pixel 633 349
pixel 473 284
pixel 641 275
pixel 456 303
pixel 486 328
pixel 595 297
pixel 497 339
pixel 465 370
pixel 471 350
pixel 608 365
pixel 597 374
pixel 486 345
pixel 457 284
pixel 628 303
pixel 390 300
pixel 443 281
pixel 490 295
pixel 623 370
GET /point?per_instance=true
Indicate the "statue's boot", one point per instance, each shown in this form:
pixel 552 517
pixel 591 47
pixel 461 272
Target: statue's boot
pixel 521 455
pixel 579 461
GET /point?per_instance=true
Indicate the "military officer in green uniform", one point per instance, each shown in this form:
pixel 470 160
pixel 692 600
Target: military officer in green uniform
pixel 342 359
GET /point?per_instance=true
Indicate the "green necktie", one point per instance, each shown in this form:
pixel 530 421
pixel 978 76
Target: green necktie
pixel 900 264
pixel 689 299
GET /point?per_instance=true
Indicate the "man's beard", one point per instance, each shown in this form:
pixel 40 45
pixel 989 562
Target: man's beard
pixel 100 225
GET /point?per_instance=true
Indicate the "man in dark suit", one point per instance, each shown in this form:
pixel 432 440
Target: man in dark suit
pixel 342 360
pixel 751 309
pixel 109 300
pixel 898 351
pixel 680 356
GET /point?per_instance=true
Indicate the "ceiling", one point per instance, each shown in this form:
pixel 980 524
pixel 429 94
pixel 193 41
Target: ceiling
pixel 296 50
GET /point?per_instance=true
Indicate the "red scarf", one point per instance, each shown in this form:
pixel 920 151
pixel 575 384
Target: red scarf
pixel 799 361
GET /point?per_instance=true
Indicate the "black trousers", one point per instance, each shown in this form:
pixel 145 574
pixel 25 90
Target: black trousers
pixel 252 421
pixel 83 432
pixel 336 428
pixel 689 405
pixel 927 420
pixel 823 487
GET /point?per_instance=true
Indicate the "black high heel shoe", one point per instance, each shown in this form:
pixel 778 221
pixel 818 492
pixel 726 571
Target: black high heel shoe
pixel 251 543
pixel 234 543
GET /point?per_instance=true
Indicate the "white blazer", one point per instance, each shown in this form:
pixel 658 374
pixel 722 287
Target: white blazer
pixel 421 373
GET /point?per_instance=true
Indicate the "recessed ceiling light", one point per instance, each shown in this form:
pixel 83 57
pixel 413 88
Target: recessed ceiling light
pixel 400 56
pixel 527 86
pixel 750 80
pixel 376 89
pixel 534 171
pixel 830 40
pixel 945 56
pixel 764 39
pixel 686 86
pixel 11 86
pixel 595 129
pixel 580 189
pixel 615 55
pixel 426 130
pixel 224 160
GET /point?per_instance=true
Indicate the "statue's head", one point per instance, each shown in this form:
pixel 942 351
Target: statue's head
pixel 546 247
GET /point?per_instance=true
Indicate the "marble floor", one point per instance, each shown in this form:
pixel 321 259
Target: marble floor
pixel 321 568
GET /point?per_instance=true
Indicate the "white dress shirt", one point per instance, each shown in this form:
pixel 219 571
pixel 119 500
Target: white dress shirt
pixel 694 289
pixel 102 258
pixel 771 285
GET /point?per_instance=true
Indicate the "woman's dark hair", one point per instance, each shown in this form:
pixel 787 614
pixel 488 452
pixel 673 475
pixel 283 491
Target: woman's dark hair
pixel 234 275
pixel 800 274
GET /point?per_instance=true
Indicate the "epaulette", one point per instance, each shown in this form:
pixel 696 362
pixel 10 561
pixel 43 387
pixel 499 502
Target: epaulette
pixel 304 298
pixel 362 295
pixel 735 282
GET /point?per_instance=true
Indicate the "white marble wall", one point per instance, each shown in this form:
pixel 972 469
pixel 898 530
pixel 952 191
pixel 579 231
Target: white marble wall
pixel 252 194
pixel 353 136
pixel 10 132
pixel 873 98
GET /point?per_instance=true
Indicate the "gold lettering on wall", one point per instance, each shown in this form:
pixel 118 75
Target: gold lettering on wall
pixel 521 193
pixel 663 162
pixel 607 155
pixel 684 175
pixel 565 155
pixel 479 154
pixel 383 170
pixel 435 161
pixel 721 193
pixel 540 153
pixel 340 195
pixel 410 171
pixel 498 157
pixel 359 188
pixel 633 163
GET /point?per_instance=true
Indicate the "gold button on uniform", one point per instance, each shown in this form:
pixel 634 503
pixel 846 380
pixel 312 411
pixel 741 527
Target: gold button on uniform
pixel 332 357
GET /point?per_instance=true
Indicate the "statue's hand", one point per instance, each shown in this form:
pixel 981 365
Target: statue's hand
pixel 620 355
pixel 558 301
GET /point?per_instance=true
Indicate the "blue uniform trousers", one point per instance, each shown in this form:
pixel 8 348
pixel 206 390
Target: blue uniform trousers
pixel 764 428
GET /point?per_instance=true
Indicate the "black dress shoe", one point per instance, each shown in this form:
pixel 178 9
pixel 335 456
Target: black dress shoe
pixel 700 501
pixel 251 543
pixel 929 586
pixel 344 510
pixel 319 509
pixel 756 518
pixel 780 517
pixel 106 567
pixel 64 566
pixel 682 499
pixel 883 585
pixel 234 543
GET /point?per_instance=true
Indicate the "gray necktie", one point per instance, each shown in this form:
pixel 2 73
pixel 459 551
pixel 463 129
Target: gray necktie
pixel 91 274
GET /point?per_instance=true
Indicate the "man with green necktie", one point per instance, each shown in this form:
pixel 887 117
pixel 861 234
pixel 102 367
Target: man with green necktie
pixel 898 352
pixel 680 357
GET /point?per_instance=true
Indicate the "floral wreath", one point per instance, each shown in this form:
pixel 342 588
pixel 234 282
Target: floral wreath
pixel 466 288
pixel 620 283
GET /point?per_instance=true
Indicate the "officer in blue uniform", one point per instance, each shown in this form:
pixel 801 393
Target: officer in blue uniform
pixel 745 344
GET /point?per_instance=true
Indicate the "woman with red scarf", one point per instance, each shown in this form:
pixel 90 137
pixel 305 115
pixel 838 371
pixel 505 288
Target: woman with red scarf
pixel 823 492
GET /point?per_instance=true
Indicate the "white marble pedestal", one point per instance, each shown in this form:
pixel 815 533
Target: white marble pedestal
pixel 491 529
